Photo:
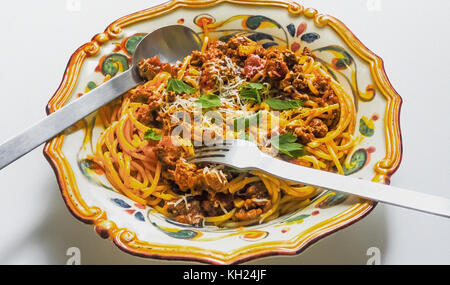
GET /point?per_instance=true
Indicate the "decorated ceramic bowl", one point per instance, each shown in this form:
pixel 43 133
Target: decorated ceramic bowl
pixel 141 231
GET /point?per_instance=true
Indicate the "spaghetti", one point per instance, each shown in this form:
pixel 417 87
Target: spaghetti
pixel 151 129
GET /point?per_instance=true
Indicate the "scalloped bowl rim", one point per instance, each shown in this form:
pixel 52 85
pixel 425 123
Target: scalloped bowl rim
pixel 125 239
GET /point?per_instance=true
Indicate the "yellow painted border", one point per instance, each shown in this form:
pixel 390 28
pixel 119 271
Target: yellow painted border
pixel 127 240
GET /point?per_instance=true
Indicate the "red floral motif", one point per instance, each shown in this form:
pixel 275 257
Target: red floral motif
pixel 301 28
pixel 285 230
pixel 117 48
pixel 371 149
pixel 140 206
pixel 295 46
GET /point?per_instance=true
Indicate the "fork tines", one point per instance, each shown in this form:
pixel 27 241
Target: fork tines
pixel 210 151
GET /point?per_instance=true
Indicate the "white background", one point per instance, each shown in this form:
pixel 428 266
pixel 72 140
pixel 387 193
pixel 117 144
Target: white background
pixel 411 36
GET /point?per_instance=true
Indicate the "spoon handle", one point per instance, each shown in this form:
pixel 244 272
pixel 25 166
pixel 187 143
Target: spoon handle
pixel 68 115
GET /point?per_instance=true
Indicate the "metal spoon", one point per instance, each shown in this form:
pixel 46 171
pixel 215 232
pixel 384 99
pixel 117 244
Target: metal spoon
pixel 169 43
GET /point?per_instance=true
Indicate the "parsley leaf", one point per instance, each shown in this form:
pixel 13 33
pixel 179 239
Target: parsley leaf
pixel 179 86
pixel 287 145
pixel 278 104
pixel 209 101
pixel 152 135
pixel 251 92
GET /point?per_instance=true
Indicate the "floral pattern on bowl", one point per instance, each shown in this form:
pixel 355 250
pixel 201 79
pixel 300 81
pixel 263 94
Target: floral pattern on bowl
pixel 140 230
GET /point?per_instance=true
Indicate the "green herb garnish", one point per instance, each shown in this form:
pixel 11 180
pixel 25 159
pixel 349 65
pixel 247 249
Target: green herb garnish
pixel 251 92
pixel 286 143
pixel 179 86
pixel 278 104
pixel 246 121
pixel 152 135
pixel 209 101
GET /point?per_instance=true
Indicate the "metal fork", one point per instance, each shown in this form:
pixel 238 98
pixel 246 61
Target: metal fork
pixel 245 155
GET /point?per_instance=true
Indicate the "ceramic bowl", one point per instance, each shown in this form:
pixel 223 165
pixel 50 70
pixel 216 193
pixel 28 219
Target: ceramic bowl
pixel 138 229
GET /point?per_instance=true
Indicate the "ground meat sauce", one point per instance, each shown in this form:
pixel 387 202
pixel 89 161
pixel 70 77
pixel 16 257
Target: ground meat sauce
pixel 277 67
pixel 214 204
pixel 188 176
pixel 149 67
pixel 253 64
pixel 190 213
pixel 207 81
pixel 168 153
pixel 318 127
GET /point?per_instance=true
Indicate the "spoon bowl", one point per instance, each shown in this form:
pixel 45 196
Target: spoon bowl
pixel 170 43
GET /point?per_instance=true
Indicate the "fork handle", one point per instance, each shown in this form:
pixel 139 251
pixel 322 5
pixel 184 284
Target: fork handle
pixel 363 188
